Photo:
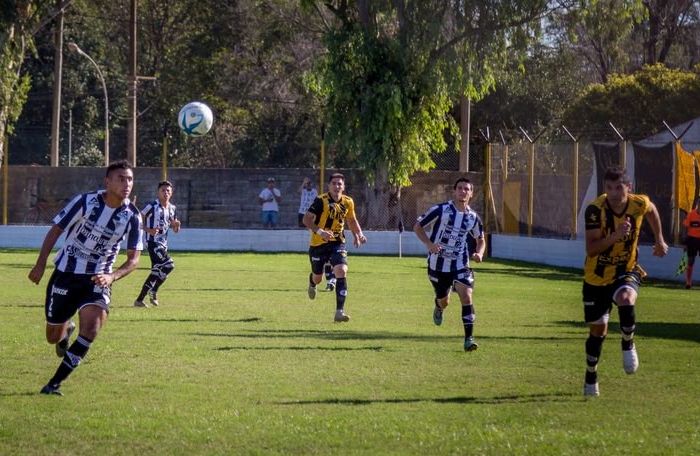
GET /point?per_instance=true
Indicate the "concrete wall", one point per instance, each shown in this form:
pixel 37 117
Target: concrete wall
pixel 223 198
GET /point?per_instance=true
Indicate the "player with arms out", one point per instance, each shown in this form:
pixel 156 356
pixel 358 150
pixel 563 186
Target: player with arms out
pixel 158 217
pixel 95 224
pixel 448 253
pixel 611 272
pixel 326 219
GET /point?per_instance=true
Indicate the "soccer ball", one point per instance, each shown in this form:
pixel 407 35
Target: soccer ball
pixel 195 119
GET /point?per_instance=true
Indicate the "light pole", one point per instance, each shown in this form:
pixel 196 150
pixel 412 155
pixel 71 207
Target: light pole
pixel 75 48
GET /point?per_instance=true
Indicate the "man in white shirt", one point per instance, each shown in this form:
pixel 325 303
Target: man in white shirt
pixel 308 195
pixel 270 198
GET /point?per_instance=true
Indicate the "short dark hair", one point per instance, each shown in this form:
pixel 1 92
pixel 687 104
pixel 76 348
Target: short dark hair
pixel 462 179
pixel 164 183
pixel 336 175
pixel 614 173
pixel 119 164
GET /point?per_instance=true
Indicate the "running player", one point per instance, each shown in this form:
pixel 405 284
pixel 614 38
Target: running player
pixel 611 273
pixel 158 217
pixel 448 254
pixel 95 224
pixel 326 219
pixel 692 241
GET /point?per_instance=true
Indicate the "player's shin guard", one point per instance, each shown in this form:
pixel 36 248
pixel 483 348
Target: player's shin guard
pixel 164 273
pixel 468 318
pixel 627 326
pixel 328 271
pixel 594 347
pixel 341 291
pixel 689 275
pixel 71 360
pixel 148 285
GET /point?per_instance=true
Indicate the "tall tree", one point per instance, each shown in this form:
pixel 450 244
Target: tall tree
pixel 19 21
pixel 394 68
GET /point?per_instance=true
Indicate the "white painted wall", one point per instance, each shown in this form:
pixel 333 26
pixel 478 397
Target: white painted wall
pixel 571 254
pixel 553 252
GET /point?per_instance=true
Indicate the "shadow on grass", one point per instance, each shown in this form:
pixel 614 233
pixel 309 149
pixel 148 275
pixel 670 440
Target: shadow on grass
pixel 261 288
pixel 189 320
pixel 26 393
pixel 375 348
pixel 509 399
pixel 358 335
pixel 675 331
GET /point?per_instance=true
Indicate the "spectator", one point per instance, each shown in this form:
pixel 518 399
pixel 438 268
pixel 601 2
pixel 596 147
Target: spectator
pixel 270 198
pixel 308 195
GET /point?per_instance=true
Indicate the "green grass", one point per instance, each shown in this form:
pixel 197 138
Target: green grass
pixel 237 360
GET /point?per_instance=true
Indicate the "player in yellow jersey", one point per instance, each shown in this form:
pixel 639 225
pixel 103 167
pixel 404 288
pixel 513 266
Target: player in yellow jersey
pixel 611 272
pixel 326 219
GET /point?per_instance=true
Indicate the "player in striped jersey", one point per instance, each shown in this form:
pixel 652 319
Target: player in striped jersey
pixel 95 224
pixel 611 273
pixel 326 219
pixel 158 217
pixel 448 253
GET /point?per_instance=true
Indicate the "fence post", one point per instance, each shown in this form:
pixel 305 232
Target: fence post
pixel 574 186
pixel 676 196
pixel 531 183
pixel 487 184
pixel 5 178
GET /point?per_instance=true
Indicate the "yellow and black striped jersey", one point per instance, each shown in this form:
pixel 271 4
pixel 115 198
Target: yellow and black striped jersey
pixel 622 256
pixel 331 216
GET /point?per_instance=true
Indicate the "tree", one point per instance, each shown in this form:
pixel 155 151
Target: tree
pixel 637 104
pixel 394 68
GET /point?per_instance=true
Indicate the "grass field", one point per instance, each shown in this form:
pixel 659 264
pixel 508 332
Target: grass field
pixel 237 360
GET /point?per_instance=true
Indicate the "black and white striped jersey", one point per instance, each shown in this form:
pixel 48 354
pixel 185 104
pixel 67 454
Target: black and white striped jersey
pixel 157 216
pixel 451 229
pixel 94 233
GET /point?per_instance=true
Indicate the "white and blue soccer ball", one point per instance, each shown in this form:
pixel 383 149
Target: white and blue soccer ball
pixel 195 119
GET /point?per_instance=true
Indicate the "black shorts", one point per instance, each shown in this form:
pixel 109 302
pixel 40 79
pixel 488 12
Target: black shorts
pixel 159 254
pixel 693 247
pixel 598 300
pixel 333 253
pixel 443 282
pixel 67 293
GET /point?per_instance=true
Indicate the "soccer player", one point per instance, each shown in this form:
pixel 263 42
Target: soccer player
pixel 692 241
pixel 326 219
pixel 95 224
pixel 158 217
pixel 448 253
pixel 611 273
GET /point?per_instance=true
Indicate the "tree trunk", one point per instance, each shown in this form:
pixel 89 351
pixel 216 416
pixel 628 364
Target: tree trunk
pixel 383 203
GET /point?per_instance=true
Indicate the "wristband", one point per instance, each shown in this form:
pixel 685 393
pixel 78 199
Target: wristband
pixel 315 230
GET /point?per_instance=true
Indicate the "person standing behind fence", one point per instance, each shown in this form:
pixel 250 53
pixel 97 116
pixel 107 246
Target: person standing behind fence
pixel 611 272
pixel 692 241
pixel 448 254
pixel 95 224
pixel 158 216
pixel 270 198
pixel 308 195
pixel 326 219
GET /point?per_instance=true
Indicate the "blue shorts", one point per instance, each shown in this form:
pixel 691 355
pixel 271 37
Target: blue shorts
pixel 270 218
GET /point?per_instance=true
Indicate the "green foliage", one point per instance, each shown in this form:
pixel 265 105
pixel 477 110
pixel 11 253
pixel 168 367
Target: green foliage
pixel 638 103
pixel 393 72
pixel 234 363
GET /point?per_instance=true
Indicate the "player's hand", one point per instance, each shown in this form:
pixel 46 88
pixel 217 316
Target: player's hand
pixel 434 248
pixel 660 249
pixel 359 240
pixel 176 225
pixel 623 229
pixel 37 273
pixel 325 235
pixel 103 280
pixel 477 257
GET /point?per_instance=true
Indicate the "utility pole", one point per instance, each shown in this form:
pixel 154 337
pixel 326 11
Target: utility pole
pixel 133 86
pixel 131 94
pixel 57 80
pixel 464 121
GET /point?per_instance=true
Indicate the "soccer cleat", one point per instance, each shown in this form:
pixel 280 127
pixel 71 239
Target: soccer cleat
pixel 591 389
pixel 152 298
pixel 312 292
pixel 51 389
pixel 437 316
pixel 630 361
pixel 139 303
pixel 62 344
pixel 330 285
pixel 341 316
pixel 470 345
